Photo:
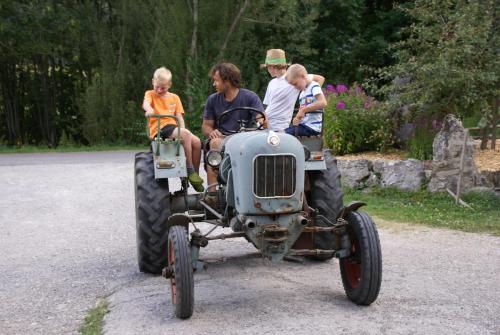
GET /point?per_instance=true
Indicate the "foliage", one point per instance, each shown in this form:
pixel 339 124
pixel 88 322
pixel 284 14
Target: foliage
pixel 420 145
pixel 354 122
pixel 353 36
pixel 447 61
pixel 81 67
pixel 94 319
pixel 432 209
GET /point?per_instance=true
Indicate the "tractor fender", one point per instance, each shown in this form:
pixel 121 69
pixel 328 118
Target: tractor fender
pixel 178 219
pixel 351 207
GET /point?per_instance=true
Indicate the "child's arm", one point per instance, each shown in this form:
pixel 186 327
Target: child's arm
pixel 318 104
pixel 149 111
pixel 319 79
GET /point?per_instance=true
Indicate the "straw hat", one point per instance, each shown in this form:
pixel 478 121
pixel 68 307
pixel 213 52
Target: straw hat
pixel 275 57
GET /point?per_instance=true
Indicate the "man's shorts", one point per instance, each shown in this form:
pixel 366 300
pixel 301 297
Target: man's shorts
pixel 167 131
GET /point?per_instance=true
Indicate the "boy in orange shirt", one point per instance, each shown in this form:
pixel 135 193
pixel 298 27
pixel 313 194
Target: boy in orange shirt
pixel 161 101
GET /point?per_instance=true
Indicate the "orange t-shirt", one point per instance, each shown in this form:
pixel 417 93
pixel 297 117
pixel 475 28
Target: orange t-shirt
pixel 169 105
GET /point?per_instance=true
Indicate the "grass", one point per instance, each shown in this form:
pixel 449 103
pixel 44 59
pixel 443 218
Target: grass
pixel 432 209
pixel 68 148
pixel 94 319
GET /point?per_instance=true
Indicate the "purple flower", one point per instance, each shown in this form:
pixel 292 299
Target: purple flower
pixel 358 89
pixel 330 88
pixel 340 104
pixel 341 88
pixel 367 104
pixel 436 125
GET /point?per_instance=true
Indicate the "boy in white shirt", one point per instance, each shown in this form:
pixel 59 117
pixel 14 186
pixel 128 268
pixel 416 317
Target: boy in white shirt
pixel 280 96
pixel 311 99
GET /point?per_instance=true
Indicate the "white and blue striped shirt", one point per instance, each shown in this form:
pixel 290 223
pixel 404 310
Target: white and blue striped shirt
pixel 307 97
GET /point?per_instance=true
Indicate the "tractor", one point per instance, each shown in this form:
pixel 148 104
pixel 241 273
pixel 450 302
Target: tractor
pixel 280 192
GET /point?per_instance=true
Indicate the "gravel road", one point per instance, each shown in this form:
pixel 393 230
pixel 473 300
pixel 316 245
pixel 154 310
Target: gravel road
pixel 67 238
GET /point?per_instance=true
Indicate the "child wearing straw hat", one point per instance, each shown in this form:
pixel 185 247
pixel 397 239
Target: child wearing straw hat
pixel 280 96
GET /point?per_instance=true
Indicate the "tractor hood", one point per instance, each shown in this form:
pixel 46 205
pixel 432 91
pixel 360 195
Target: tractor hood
pixel 267 172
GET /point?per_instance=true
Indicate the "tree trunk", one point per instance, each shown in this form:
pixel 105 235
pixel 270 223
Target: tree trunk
pixel 192 54
pixel 232 28
pixel 494 123
pixel 8 86
pixel 45 101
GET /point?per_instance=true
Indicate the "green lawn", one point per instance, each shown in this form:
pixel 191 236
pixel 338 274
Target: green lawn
pixel 69 148
pixel 436 210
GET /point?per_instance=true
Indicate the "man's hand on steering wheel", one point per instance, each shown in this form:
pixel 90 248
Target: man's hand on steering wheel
pixel 215 134
pixel 243 124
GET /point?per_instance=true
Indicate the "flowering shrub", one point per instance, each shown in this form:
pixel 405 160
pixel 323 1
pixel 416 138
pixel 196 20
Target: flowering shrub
pixel 354 122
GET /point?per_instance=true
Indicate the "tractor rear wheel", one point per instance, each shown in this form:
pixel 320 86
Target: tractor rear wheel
pixel 152 209
pixel 181 267
pixel 361 271
pixel 326 196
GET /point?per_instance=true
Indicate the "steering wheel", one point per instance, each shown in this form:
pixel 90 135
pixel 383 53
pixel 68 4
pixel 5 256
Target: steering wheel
pixel 245 124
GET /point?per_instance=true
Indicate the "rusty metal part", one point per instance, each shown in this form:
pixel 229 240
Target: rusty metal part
pixel 197 239
pixel 310 252
pixel 274 233
pixel 351 207
pixel 275 239
pixel 282 210
pixel 167 272
pixel 225 236
pixel 275 229
pixel 165 164
pixel 211 210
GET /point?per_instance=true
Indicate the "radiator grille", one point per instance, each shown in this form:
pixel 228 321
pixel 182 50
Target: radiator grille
pixel 274 176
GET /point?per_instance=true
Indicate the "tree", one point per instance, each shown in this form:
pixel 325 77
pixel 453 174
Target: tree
pixel 448 61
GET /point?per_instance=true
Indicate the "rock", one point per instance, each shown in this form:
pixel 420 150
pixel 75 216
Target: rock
pixel 372 181
pixel 406 175
pixel 490 178
pixel 447 150
pixel 378 166
pixel 354 172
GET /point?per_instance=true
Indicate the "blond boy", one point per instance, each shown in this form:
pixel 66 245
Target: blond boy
pixel 160 101
pixel 311 99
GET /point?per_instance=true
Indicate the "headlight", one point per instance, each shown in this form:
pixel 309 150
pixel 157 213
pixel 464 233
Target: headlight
pixel 273 138
pixel 214 158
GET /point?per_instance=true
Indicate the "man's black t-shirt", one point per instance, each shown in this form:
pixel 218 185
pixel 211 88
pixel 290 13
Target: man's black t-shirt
pixel 216 105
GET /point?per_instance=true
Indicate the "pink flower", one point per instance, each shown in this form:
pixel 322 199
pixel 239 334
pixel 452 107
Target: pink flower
pixel 330 88
pixel 367 104
pixel 340 104
pixel 341 88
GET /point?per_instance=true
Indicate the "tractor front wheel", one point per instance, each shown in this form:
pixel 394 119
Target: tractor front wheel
pixel 181 268
pixel 361 271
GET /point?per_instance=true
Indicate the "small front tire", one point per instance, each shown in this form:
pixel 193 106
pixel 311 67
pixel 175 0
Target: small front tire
pixel 181 280
pixel 361 271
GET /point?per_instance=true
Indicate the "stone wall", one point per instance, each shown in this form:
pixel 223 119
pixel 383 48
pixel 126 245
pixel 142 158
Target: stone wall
pixel 411 174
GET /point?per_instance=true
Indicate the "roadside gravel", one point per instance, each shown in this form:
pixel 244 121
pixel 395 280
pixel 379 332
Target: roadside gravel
pixel 67 237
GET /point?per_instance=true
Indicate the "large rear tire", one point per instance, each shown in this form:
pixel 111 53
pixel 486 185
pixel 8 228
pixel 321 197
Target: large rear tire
pixel 362 271
pixel 326 196
pixel 152 209
pixel 181 280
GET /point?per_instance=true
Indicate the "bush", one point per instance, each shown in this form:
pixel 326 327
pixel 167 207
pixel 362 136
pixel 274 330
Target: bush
pixel 420 145
pixel 355 122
